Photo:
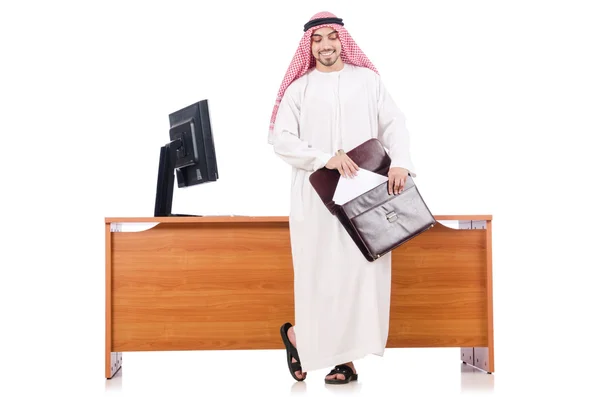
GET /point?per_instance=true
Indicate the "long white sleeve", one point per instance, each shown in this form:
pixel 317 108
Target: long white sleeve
pixel 287 143
pixel 393 132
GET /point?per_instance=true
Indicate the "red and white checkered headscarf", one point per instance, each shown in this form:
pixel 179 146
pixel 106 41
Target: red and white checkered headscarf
pixel 303 59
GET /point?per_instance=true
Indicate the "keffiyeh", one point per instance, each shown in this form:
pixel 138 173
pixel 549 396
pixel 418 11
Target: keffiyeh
pixel 303 60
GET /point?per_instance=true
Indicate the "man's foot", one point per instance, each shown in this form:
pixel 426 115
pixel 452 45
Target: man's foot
pixel 289 340
pixel 343 373
pixel 292 337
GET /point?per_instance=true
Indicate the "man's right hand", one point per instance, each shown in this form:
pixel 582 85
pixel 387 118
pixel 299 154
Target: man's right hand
pixel 343 164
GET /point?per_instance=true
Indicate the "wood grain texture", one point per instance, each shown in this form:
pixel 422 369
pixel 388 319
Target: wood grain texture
pixel 229 285
pixel 202 286
pixel 108 301
pixel 489 298
pixel 439 290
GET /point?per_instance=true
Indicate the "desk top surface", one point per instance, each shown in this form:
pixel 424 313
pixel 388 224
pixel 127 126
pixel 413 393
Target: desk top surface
pixel 257 219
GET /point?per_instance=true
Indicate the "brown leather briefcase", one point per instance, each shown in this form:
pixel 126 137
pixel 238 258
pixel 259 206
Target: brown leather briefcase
pixel 376 221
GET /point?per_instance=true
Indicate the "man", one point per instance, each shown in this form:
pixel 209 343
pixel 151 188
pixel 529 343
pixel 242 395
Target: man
pixel 332 100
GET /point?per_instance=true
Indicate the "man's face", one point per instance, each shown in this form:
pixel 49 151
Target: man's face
pixel 326 46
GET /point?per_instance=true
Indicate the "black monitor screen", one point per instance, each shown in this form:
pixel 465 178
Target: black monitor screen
pixel 195 162
pixel 190 154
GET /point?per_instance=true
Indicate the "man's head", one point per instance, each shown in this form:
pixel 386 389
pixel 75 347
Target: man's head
pixel 326 48
pixel 326 45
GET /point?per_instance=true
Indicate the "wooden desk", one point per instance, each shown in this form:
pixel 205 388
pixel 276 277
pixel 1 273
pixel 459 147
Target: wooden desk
pixel 199 283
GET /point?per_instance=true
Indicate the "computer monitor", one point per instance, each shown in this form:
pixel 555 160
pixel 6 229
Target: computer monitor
pixel 190 154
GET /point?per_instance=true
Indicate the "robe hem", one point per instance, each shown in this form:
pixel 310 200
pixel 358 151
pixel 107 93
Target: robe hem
pixel 313 365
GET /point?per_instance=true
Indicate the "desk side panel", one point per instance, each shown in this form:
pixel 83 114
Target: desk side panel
pixel 112 360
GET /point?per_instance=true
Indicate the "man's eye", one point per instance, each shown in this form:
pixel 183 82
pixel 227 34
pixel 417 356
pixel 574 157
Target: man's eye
pixel 333 36
pixel 316 39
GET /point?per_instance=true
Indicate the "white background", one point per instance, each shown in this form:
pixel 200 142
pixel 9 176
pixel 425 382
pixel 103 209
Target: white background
pixel 502 100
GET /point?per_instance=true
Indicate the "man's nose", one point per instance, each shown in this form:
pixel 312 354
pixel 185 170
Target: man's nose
pixel 326 43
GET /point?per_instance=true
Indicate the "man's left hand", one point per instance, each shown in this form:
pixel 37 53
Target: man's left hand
pixel 396 179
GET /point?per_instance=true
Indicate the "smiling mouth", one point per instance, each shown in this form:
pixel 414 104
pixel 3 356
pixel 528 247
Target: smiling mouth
pixel 327 53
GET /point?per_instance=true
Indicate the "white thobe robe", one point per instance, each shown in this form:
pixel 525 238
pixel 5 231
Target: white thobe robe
pixel 342 301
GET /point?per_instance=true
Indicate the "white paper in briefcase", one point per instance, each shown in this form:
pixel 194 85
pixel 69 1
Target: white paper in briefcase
pixel 349 188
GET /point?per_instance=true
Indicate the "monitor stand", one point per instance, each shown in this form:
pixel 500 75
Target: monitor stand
pixel 166 180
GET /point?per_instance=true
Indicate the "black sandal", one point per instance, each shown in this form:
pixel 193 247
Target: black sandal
pixel 345 370
pixel 291 352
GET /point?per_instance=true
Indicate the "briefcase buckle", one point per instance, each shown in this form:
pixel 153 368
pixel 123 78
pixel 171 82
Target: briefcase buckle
pixel 391 217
